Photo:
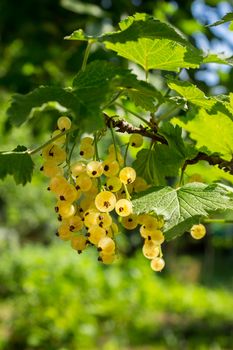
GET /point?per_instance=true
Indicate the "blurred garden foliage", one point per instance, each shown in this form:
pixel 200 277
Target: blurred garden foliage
pixel 49 297
pixel 52 299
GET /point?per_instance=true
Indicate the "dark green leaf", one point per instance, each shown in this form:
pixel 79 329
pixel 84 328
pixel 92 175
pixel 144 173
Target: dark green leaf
pixel 22 106
pixel 184 206
pixel 17 163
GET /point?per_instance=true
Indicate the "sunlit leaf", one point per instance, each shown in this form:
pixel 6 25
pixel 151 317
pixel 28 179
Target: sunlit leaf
pixel 184 206
pixel 191 93
pixel 213 131
pixel 150 43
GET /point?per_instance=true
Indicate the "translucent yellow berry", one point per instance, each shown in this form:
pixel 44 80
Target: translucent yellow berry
pixel 79 243
pixel 130 222
pixel 198 231
pixel 64 123
pixel 127 175
pixel 136 140
pixel 157 264
pixel 123 207
pixel 150 250
pixel 94 169
pixel 105 201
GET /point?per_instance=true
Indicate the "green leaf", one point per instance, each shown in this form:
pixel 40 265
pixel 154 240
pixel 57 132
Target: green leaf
pixel 226 18
pixel 21 108
pixel 101 79
pixel 214 58
pixel 185 206
pixel 95 87
pixel 17 163
pixel 150 43
pixel 146 167
pixel 141 93
pixel 191 93
pixel 81 36
pixel 213 131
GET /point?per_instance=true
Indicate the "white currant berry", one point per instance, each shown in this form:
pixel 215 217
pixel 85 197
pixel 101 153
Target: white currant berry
pixel 123 207
pixel 127 175
pixel 130 222
pixel 136 140
pixel 64 123
pixel 157 264
pixel 105 201
pixel 198 231
pixel 94 169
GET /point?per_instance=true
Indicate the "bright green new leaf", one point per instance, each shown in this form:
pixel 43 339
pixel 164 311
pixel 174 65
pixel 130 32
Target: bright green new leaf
pixel 213 131
pixel 191 93
pixel 150 43
pixel 184 206
pixel 17 163
pixel 214 58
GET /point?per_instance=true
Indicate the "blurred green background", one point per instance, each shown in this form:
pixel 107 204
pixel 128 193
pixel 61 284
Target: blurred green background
pixel 51 298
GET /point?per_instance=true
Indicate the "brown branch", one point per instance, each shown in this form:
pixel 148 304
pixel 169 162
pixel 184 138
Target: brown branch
pixel 223 164
pixel 123 126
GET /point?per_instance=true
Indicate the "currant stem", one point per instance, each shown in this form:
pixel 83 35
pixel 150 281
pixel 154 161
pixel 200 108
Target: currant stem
pixel 133 113
pixel 114 141
pixel 112 100
pixel 127 192
pixel 96 147
pixel 38 149
pixel 126 153
pixel 86 55
pixel 217 221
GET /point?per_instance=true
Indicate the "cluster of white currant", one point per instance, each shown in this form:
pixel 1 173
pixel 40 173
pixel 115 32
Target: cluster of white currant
pixel 91 194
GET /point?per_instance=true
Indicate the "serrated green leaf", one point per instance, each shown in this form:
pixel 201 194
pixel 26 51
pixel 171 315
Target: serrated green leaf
pixel 145 165
pixel 101 79
pixel 95 86
pixel 185 206
pixel 21 108
pixel 213 131
pixel 17 163
pixel 191 93
pixel 214 58
pixel 150 43
pixel 141 93
pixel 226 18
